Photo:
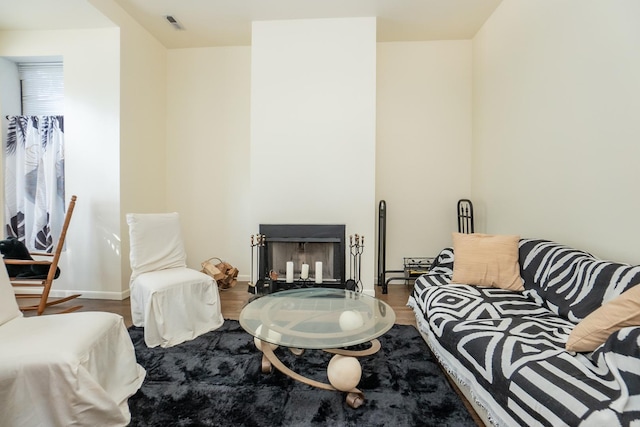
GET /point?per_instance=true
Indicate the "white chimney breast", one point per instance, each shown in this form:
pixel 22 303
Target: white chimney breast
pixel 313 122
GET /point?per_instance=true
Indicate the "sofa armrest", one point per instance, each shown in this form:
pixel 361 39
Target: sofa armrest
pixel 440 272
pixel 625 342
pixel 619 356
pixel 444 260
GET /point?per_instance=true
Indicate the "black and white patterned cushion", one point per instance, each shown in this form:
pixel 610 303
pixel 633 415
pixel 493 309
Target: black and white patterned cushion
pixel 440 272
pixel 571 283
pixel 443 264
pixel 509 347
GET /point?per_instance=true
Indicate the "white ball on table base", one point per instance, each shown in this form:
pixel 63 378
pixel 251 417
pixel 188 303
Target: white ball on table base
pixel 344 372
pixel 350 320
pixel 271 334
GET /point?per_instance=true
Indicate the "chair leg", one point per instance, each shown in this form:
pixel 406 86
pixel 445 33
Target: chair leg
pixel 39 308
pixel 46 304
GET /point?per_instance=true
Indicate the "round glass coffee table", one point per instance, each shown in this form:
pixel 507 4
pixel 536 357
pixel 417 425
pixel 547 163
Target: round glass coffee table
pixel 325 319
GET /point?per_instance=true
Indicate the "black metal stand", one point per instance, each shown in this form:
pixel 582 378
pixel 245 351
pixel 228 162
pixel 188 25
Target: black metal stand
pixel 382 240
pixel 258 286
pixel 354 283
pixel 465 216
pixel 382 249
pixel 415 266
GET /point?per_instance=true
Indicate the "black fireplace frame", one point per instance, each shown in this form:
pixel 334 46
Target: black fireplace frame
pixel 303 233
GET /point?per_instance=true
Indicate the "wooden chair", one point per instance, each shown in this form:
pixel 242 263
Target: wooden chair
pixel 46 282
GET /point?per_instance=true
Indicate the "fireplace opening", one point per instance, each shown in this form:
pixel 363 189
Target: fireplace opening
pixel 318 246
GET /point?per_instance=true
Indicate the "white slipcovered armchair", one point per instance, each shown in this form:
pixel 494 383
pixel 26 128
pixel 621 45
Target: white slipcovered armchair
pixel 64 369
pixel 172 302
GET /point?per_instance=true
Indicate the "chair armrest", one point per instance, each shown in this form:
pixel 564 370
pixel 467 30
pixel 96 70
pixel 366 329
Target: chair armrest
pixel 41 254
pixel 25 262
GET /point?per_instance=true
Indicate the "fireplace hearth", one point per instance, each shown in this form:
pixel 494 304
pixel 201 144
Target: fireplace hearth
pixel 302 255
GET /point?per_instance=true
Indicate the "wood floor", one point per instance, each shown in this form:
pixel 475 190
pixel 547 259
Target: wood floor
pixel 232 301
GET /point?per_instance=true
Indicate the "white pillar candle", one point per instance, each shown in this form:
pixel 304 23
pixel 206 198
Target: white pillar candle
pixel 304 273
pixel 318 272
pixel 289 271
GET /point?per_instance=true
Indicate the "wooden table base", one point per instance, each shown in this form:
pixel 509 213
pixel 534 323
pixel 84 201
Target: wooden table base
pixel 355 397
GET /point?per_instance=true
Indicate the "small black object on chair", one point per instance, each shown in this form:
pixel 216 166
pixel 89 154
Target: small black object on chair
pixel 12 248
pixel 28 273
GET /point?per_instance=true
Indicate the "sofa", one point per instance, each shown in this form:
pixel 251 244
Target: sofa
pixel 556 342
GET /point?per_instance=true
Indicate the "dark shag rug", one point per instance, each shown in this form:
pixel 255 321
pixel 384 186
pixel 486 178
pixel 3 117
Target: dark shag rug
pixel 216 380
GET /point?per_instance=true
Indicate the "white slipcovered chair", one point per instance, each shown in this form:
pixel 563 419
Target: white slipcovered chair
pixel 172 302
pixel 64 369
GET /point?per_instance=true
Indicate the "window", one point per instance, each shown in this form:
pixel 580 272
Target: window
pixel 34 157
pixel 42 87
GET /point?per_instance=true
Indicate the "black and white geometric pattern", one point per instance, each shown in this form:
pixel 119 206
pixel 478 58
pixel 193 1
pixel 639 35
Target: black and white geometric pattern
pixel 572 283
pixel 508 347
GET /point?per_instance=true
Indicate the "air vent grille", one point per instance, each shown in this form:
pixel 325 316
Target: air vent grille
pixel 174 22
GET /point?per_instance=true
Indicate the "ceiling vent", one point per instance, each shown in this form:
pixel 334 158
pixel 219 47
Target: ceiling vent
pixel 174 22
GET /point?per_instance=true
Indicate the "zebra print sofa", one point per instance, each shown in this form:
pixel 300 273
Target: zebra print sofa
pixel 506 349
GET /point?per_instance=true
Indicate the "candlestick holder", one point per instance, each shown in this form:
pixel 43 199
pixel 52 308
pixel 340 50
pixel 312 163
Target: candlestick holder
pixel 304 283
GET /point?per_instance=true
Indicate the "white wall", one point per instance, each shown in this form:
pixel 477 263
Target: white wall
pixel 9 106
pixel 424 108
pixel 423 158
pixel 313 101
pixel 208 92
pixel 91 262
pixel 142 133
pixel 9 94
pixel 115 123
pixel 555 101
pixel 556 129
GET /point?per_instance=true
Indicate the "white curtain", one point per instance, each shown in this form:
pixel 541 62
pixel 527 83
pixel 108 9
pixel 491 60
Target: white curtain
pixel 34 180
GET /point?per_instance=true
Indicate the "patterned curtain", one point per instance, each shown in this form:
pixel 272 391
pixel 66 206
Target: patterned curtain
pixel 34 180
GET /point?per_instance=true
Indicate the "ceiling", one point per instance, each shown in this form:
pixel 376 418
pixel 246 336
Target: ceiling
pixel 228 22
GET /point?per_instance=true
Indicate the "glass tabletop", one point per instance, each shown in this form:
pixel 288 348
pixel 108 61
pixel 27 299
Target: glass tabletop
pixel 317 318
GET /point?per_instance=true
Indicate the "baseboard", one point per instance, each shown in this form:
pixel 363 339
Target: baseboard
pixel 117 296
pixel 61 293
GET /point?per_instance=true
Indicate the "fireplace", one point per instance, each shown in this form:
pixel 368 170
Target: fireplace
pixel 313 245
